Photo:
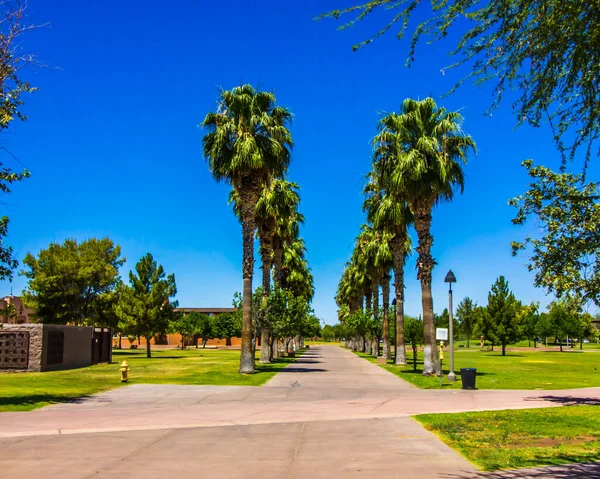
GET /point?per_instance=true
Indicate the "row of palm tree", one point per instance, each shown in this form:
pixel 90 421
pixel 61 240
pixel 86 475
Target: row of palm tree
pixel 248 145
pixel 418 155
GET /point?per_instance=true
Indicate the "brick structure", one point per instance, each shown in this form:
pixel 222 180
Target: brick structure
pixel 49 347
pixel 23 314
pixel 173 339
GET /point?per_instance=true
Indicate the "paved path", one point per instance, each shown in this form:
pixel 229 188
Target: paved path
pixel 330 414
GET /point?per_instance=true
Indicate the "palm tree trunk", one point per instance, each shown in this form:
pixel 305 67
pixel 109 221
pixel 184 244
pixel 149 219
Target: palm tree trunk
pixel 248 198
pixel 277 260
pixel 375 291
pixel 266 254
pixel 425 264
pixel 398 246
pixel 385 288
pixel 369 300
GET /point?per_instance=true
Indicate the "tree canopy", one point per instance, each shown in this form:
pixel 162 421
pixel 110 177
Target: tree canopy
pixel 564 248
pixel 546 50
pixel 144 307
pixel 74 282
pixel 12 88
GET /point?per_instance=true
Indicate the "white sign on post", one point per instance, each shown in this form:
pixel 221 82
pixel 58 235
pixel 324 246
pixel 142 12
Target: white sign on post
pixel 441 334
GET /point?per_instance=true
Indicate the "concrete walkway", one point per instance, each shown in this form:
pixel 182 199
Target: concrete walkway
pixel 330 414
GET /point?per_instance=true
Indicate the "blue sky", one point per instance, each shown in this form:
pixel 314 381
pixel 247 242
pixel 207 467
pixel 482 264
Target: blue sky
pixel 114 148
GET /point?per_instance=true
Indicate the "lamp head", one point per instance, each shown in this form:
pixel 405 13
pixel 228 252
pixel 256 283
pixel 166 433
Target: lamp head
pixel 450 278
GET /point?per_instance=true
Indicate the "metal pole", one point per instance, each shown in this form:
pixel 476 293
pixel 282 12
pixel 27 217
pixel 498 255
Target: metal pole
pixel 451 375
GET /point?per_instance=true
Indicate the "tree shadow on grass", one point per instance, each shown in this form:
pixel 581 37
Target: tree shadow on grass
pixel 31 401
pixel 507 355
pixel 568 400
pixel 566 471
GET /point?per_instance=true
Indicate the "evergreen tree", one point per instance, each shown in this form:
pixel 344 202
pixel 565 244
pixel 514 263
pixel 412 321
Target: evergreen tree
pixel 502 309
pixel 74 283
pixel 466 317
pixel 144 308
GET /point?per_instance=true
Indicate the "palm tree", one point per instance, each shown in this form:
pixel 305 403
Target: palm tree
pixel 373 254
pixel 247 143
pixel 429 148
pixel 388 210
pixel 276 206
pixel 349 297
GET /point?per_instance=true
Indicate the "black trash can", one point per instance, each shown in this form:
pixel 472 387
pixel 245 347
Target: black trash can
pixel 468 377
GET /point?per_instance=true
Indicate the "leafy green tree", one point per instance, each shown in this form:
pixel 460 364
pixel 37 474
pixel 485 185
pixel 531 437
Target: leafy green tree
pixel 205 326
pixel 565 319
pixel 443 321
pixel 542 48
pixel 466 317
pixel 339 332
pixel 327 333
pixel 528 318
pixel 74 283
pixel 12 88
pixel 184 325
pixel 9 313
pixel 566 211
pixel 544 327
pixel 227 325
pixel 503 311
pixel 359 324
pixel 247 143
pixel 413 333
pixel 144 307
pixel 584 328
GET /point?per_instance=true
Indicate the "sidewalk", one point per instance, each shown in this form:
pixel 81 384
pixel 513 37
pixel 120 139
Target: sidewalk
pixel 329 414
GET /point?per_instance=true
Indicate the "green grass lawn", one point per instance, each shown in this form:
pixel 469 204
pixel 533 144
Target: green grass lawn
pixel 323 343
pixel 516 370
pixel 525 438
pixel 27 391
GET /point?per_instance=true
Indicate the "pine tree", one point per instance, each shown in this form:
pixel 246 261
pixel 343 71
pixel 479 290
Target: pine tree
pixel 503 311
pixel 466 317
pixel 144 308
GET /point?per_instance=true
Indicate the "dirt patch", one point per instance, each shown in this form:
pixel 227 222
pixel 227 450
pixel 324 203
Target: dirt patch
pixel 552 442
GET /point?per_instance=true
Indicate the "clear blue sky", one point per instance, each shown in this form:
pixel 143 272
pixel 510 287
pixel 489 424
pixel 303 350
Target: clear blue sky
pixel 114 149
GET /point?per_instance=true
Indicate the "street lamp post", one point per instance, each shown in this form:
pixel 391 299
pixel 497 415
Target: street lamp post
pixel 450 278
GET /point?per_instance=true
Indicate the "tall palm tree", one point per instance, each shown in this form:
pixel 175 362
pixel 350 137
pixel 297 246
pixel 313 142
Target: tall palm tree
pixel 248 142
pixel 286 233
pixel 349 297
pixel 430 149
pixel 388 210
pixel 372 253
pixel 276 206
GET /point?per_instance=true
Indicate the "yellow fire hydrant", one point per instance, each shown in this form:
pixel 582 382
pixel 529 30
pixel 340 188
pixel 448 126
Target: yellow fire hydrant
pixel 124 371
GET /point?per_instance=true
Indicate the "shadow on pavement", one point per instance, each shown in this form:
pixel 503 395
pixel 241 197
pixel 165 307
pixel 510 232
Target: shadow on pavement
pixel 292 369
pixel 568 471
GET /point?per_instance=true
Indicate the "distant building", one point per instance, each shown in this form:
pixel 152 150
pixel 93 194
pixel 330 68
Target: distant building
pixel 207 311
pixel 19 315
pixel 174 339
